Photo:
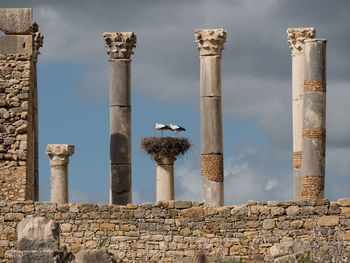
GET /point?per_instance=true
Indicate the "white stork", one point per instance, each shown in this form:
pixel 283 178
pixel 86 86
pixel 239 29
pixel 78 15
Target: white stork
pixel 176 128
pixel 161 127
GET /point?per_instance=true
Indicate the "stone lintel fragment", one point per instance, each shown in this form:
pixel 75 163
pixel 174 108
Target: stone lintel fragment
pixel 210 41
pixel 297 37
pixel 120 44
pixel 16 44
pixel 37 233
pixel 59 153
pixel 17 21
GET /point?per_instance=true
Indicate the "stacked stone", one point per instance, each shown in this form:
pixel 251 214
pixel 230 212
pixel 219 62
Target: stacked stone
pixel 119 48
pixel 173 231
pixel 296 38
pixel 314 124
pixel 210 45
pixel 59 159
pixel 17 56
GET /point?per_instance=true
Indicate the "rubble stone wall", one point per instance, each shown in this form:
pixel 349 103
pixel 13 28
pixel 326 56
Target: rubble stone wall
pixel 16 120
pixel 174 231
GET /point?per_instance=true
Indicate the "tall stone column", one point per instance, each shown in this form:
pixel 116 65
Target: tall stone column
pixel 119 48
pixel 37 44
pixel 210 45
pixel 296 38
pixel 165 177
pixel 59 159
pixel 314 124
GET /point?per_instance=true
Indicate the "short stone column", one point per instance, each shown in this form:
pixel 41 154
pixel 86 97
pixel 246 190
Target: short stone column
pixel 296 38
pixel 314 124
pixel 119 48
pixel 164 151
pixel 210 45
pixel 59 159
pixel 165 177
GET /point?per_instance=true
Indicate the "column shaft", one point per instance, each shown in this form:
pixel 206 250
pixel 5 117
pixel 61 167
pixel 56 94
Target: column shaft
pixel 59 184
pixel 297 108
pixel 120 131
pixel 38 40
pixel 314 124
pixel 119 47
pixel 36 135
pixel 296 38
pixel 165 179
pixel 210 43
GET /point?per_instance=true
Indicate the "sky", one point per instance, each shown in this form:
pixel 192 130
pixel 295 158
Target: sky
pixel 73 86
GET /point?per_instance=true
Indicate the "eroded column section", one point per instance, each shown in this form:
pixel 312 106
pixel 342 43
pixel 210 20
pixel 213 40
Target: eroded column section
pixel 296 38
pixel 38 40
pixel 59 159
pixel 210 45
pixel 119 48
pixel 314 124
pixel 165 177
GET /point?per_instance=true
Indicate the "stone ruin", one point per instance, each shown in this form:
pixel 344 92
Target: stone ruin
pixel 167 231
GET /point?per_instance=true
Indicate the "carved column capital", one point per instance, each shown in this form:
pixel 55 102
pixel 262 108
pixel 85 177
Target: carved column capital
pixel 59 153
pixel 120 44
pixel 210 41
pixel 297 37
pixel 38 41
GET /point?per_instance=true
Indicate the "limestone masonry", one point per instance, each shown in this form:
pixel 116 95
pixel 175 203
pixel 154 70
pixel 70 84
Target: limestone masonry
pixel 173 231
pixel 19 50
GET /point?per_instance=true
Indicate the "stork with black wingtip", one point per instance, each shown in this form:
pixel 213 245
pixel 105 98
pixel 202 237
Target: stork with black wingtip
pixel 161 127
pixel 176 128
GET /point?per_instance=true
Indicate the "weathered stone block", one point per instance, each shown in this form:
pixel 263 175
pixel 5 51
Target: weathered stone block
pixel 16 44
pixel 16 21
pixel 33 256
pixel 182 204
pixel 276 211
pixel 292 210
pixel 328 220
pixel 344 202
pixel 296 224
pixel 93 256
pixel 269 224
pixel 193 212
pixel 37 233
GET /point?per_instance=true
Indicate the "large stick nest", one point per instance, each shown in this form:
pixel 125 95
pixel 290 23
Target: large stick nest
pixel 165 146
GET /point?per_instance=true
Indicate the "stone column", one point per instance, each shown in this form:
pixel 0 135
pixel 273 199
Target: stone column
pixel 296 38
pixel 210 45
pixel 165 177
pixel 59 159
pixel 37 44
pixel 314 124
pixel 119 48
